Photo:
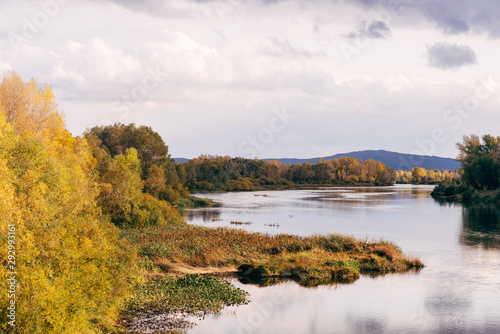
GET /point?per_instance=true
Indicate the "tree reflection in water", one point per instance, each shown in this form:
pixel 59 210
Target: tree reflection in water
pixel 481 227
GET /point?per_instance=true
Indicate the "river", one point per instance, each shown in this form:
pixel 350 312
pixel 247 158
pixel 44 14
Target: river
pixel 457 292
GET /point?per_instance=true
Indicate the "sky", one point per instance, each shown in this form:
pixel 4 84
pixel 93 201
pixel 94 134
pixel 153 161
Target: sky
pixel 267 78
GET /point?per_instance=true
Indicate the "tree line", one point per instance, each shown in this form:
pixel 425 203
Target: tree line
pixel 207 173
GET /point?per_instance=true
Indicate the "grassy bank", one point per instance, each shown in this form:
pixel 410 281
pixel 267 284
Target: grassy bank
pixel 194 202
pixel 308 260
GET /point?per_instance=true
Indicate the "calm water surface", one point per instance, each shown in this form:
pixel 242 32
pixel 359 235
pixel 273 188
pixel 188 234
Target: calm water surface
pixel 457 292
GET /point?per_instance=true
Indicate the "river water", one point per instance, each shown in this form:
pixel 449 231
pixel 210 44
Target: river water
pixel 457 292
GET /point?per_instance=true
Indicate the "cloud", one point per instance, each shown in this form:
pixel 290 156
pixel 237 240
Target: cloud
pixel 375 30
pixel 447 56
pixel 98 69
pixel 451 16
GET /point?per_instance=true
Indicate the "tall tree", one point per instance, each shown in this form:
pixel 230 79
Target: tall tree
pixel 30 107
pixel 480 161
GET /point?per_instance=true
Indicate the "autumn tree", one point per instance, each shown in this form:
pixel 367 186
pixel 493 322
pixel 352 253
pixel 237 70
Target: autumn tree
pixel 155 181
pixel 73 269
pixel 30 107
pixel 151 151
pixel 417 175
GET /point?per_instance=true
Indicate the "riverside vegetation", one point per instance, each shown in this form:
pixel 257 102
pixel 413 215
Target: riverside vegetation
pixel 99 241
pixel 480 173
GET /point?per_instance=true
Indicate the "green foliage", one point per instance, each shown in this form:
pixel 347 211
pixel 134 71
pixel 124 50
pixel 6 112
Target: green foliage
pixel 121 188
pixel 162 178
pixel 480 161
pixel 196 202
pixel 121 195
pixel 186 294
pixel 480 171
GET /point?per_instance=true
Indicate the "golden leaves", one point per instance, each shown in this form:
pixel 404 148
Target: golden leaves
pixel 30 107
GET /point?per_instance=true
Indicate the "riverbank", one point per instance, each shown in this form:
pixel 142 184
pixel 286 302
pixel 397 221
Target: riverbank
pixel 171 252
pixel 453 193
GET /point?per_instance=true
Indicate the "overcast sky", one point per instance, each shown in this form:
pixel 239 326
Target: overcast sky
pixel 267 78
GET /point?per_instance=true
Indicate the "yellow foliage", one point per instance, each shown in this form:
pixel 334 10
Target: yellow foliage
pixel 30 107
pixel 72 269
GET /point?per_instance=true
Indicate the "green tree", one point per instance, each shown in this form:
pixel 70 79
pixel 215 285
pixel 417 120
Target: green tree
pixel 151 151
pixel 121 187
pixel 480 161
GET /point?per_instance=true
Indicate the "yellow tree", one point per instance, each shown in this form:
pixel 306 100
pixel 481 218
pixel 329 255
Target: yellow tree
pixel 417 174
pixel 73 270
pixel 30 107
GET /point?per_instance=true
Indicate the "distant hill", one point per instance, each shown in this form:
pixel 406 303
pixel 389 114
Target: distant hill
pixel 394 160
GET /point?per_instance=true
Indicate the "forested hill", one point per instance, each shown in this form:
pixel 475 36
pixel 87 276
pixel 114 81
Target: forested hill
pixel 394 160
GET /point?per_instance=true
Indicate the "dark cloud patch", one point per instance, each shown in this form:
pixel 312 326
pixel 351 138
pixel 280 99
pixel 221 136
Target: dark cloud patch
pixel 453 26
pixel 447 16
pixel 448 56
pixel 374 29
pixel 451 16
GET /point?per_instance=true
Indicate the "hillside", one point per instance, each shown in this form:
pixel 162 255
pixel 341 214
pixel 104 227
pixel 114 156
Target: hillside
pixel 394 160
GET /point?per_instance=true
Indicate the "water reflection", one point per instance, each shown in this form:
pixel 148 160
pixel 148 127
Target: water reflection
pixel 457 292
pixel 277 208
pixel 271 281
pixel 206 215
pixel 481 227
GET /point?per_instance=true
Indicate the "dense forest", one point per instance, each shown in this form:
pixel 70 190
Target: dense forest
pixel 480 178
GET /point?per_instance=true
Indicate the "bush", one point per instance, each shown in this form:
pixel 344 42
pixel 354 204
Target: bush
pixel 449 190
pixel 468 195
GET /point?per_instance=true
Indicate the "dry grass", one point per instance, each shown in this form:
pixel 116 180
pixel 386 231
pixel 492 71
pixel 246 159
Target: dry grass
pixel 317 259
